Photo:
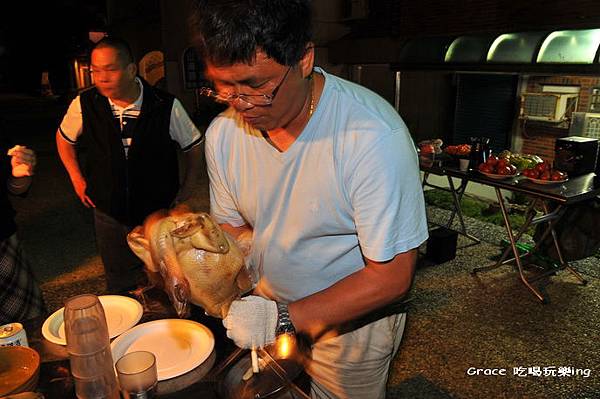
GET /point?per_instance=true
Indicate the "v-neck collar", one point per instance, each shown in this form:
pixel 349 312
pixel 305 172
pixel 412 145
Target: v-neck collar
pixel 306 133
pixel 265 135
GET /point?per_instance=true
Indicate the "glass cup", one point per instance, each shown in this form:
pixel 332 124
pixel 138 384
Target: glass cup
pixel 88 346
pixel 137 375
pixel 86 330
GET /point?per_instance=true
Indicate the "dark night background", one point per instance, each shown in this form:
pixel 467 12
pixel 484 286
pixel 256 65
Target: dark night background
pixel 456 320
pixel 44 36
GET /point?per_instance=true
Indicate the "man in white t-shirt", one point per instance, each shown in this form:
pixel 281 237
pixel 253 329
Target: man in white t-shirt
pixel 324 174
pixel 131 133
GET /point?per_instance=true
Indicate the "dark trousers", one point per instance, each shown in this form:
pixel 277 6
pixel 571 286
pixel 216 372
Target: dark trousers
pixel 123 270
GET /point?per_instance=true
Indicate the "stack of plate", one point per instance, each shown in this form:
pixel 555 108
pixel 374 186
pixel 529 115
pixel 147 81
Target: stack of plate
pixel 19 369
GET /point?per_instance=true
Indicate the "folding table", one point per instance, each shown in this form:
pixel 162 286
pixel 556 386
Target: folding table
pixel 539 210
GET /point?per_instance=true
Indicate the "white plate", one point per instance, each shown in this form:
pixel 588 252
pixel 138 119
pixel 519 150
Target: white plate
pixel 498 177
pixel 540 181
pixel 121 313
pixel 179 345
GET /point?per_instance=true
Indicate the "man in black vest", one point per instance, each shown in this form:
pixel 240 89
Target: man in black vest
pixel 131 133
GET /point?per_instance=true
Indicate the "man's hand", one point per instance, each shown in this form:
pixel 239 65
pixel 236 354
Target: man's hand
pixel 80 187
pixel 251 322
pixel 68 156
pixel 22 161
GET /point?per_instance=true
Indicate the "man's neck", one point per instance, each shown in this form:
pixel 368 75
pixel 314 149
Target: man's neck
pixel 129 96
pixel 282 138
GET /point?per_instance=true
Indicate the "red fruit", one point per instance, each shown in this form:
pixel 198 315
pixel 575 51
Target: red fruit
pixel 545 175
pixel 485 168
pixel 492 160
pixel 557 175
pixel 427 149
pixel 531 173
pixel 541 167
pixel 503 170
pixel 502 162
pixel 513 169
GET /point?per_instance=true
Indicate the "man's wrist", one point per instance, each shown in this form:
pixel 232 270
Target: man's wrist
pixel 284 322
pixel 18 184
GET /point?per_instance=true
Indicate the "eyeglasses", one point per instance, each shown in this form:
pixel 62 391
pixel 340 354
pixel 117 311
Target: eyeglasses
pixel 252 99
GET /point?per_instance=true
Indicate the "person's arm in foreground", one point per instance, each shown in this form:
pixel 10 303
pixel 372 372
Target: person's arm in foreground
pixel 23 161
pixel 68 156
pixel 374 286
pixel 252 321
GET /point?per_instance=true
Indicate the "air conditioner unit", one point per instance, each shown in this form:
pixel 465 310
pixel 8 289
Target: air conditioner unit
pixel 548 107
pixel 585 124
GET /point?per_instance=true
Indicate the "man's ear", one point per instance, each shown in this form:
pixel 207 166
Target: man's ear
pixel 132 69
pixel 308 60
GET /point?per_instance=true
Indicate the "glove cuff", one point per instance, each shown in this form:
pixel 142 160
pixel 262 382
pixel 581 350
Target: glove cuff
pixel 284 323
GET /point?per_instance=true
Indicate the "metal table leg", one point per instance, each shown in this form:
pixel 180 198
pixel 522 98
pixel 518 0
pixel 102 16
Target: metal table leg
pixel 564 265
pixel 530 213
pixel 513 246
pixel 548 217
pixel 456 197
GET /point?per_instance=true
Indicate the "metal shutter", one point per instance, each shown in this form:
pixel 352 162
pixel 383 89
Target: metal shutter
pixel 485 107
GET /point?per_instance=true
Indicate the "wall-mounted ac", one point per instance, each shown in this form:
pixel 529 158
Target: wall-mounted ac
pixel 548 107
pixel 585 124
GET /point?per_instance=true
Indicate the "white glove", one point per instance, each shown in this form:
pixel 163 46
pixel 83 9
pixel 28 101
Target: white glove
pixel 251 322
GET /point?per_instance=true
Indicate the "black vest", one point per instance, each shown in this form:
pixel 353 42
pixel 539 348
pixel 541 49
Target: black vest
pixel 129 189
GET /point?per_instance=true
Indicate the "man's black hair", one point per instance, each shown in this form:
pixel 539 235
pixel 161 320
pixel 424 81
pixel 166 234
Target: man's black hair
pixel 123 50
pixel 226 32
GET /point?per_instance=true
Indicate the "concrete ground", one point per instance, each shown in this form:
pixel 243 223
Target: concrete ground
pixel 457 323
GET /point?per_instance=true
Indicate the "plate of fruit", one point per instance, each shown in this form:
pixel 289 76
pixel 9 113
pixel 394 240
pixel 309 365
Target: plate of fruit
pixel 497 168
pixel 543 173
pixel 458 151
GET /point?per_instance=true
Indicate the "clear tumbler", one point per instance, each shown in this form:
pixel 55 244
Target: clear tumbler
pixel 138 376
pixel 88 346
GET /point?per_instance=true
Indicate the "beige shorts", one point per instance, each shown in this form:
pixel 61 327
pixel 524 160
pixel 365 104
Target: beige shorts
pixel 356 364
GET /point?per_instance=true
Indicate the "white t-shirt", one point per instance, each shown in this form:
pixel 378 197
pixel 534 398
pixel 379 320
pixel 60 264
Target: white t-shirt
pixel 349 185
pixel 181 127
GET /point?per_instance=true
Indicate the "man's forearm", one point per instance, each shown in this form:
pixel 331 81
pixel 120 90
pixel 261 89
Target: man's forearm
pixel 374 286
pixel 236 232
pixel 68 156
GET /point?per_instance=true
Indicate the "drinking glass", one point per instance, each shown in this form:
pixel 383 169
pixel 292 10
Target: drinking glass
pixel 88 346
pixel 137 375
pixel 85 325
